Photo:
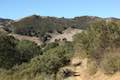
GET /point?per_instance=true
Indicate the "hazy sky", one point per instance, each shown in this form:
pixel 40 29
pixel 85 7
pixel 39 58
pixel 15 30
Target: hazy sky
pixel 16 9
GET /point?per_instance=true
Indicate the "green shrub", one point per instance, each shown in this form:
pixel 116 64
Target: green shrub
pixel 8 53
pixel 52 60
pixel 97 38
pixel 14 52
pixel 50 46
pixel 88 40
pixel 111 62
pixel 43 66
pixel 28 50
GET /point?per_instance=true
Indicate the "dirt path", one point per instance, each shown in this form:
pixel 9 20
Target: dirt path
pixel 82 73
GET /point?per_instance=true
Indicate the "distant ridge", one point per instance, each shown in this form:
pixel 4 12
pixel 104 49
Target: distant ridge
pixel 43 26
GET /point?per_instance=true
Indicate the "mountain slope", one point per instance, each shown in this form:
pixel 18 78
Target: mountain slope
pixel 5 22
pixel 40 26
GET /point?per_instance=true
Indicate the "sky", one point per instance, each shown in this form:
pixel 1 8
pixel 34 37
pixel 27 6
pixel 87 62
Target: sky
pixel 16 9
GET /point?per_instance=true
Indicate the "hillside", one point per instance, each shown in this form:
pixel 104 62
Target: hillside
pixel 50 48
pixel 5 22
pixel 66 35
pixel 28 38
pixel 43 26
pixel 39 26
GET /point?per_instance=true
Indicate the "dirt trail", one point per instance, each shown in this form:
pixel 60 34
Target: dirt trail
pixel 82 73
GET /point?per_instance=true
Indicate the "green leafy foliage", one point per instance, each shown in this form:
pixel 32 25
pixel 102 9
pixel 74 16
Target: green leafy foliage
pixel 50 46
pixel 42 67
pixel 52 60
pixel 14 52
pixel 98 37
pixel 28 50
pixel 8 56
